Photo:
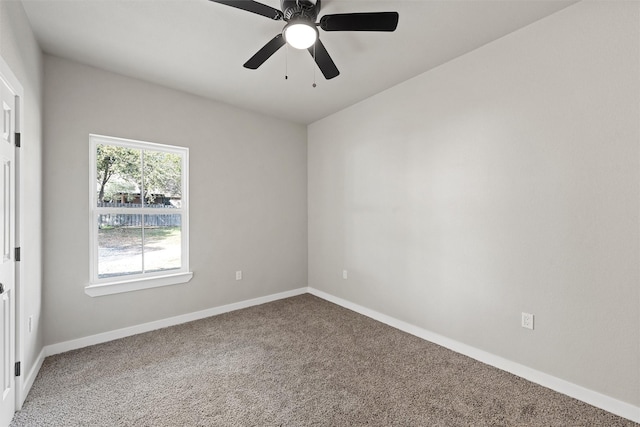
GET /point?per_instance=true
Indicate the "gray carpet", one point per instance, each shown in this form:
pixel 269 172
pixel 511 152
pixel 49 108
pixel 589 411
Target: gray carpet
pixel 295 362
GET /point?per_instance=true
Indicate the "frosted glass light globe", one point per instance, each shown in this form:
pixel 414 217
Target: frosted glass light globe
pixel 300 36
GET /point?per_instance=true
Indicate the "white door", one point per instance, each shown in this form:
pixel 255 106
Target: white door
pixel 7 251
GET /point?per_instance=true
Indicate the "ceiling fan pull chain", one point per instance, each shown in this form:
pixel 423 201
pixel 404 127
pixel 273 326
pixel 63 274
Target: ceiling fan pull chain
pixel 314 65
pixel 286 61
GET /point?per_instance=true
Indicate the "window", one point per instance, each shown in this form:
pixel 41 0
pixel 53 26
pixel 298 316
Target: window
pixel 139 215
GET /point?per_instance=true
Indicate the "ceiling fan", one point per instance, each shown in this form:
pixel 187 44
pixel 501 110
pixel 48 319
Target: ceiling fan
pixel 301 32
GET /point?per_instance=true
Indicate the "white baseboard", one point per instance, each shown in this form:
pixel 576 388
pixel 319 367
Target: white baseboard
pixel 591 397
pixel 27 383
pixel 65 346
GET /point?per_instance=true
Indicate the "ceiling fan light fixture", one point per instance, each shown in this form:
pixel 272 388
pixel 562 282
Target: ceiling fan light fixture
pixel 300 34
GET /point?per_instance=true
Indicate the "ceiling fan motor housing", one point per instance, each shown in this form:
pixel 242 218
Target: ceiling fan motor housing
pixel 300 9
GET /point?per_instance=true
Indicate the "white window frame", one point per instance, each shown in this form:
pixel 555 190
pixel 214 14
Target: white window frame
pixel 128 283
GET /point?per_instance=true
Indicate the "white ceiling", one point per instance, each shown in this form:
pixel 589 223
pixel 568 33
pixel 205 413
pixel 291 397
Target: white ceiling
pixel 199 46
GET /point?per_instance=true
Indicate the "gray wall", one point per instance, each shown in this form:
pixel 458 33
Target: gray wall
pixel 504 181
pixel 247 186
pixel 20 51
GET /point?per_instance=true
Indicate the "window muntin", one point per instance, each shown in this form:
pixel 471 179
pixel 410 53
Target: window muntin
pixel 139 210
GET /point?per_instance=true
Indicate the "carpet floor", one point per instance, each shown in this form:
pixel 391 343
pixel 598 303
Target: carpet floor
pixel 300 361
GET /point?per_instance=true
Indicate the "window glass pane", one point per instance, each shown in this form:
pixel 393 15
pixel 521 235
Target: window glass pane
pixel 162 179
pixel 162 242
pixel 119 245
pixel 118 176
pixel 140 203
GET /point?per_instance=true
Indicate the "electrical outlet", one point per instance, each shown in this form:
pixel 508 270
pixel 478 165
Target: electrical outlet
pixel 527 320
pixel 239 275
pixel 345 274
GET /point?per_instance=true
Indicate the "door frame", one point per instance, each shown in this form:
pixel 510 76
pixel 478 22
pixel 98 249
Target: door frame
pixel 14 84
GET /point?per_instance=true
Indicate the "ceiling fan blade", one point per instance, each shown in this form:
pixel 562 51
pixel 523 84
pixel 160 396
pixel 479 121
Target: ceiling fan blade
pixel 253 6
pixel 324 61
pixel 373 21
pixel 265 53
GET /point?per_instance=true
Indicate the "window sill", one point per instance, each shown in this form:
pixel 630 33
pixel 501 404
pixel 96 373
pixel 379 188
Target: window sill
pixel 111 288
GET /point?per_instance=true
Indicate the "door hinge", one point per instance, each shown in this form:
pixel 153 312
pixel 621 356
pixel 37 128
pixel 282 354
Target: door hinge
pixel 17 254
pixel 17 139
pixel 17 369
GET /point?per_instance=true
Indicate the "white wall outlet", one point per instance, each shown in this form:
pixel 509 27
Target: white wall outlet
pixel 239 275
pixel 527 320
pixel 345 274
